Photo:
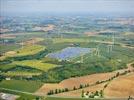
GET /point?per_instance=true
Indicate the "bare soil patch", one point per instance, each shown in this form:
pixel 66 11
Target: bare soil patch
pixel 121 87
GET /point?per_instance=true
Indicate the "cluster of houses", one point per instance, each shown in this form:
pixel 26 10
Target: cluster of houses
pixel 96 95
pixel 7 96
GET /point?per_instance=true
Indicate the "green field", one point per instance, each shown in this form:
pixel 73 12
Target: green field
pixel 29 50
pixel 20 73
pixel 69 40
pixel 21 85
pixel 8 47
pixel 5 67
pixel 35 64
pixel 82 39
pixel 24 51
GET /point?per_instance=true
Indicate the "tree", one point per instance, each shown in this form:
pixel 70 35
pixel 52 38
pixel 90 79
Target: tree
pixel 52 92
pixel 74 88
pixel 117 74
pixel 2 78
pixel 87 85
pixel 87 93
pixel 101 93
pixel 91 95
pixel 63 90
pixel 96 93
pixel 105 85
pixel 81 86
pixel 82 94
pixel 66 89
pixel 56 91
pixel 97 82
pixel 60 91
pixel 37 98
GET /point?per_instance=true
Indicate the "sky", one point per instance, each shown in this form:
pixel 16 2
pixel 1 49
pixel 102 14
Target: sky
pixel 65 6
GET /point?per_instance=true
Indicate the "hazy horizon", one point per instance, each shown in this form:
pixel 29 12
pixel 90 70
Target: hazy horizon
pixel 108 7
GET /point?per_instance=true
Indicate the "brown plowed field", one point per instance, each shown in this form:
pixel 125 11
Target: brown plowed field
pixel 71 82
pixel 121 87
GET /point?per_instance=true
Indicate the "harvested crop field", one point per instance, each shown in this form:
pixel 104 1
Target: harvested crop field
pixel 77 93
pixel 71 82
pixel 90 33
pixel 32 41
pixel 7 36
pixel 121 87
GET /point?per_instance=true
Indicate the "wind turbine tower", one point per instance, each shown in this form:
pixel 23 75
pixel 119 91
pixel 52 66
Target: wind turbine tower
pixel 82 58
pixel 22 44
pixel 97 51
pixel 113 38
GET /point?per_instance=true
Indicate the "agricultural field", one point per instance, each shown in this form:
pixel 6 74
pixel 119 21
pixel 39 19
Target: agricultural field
pixel 5 67
pixel 32 41
pixel 76 81
pixel 56 58
pixel 8 47
pixel 69 40
pixel 77 93
pixel 121 90
pixel 35 64
pixel 29 50
pixel 20 73
pixel 110 91
pixel 23 51
pixel 20 85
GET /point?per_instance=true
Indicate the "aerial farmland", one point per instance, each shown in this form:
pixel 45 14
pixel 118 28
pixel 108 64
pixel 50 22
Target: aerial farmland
pixel 66 56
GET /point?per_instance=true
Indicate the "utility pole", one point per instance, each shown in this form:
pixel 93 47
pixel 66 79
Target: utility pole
pixel 109 48
pixel 93 51
pixel 4 45
pixel 113 41
pixel 33 42
pixel 113 38
pixel 97 51
pixel 22 44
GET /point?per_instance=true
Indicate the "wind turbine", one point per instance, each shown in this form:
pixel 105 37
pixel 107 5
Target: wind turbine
pixel 33 42
pixel 113 38
pixel 82 58
pixel 22 44
pixel 97 51
pixel 109 48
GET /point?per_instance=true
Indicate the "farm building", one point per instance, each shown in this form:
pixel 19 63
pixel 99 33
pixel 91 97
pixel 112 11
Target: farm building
pixel 5 96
